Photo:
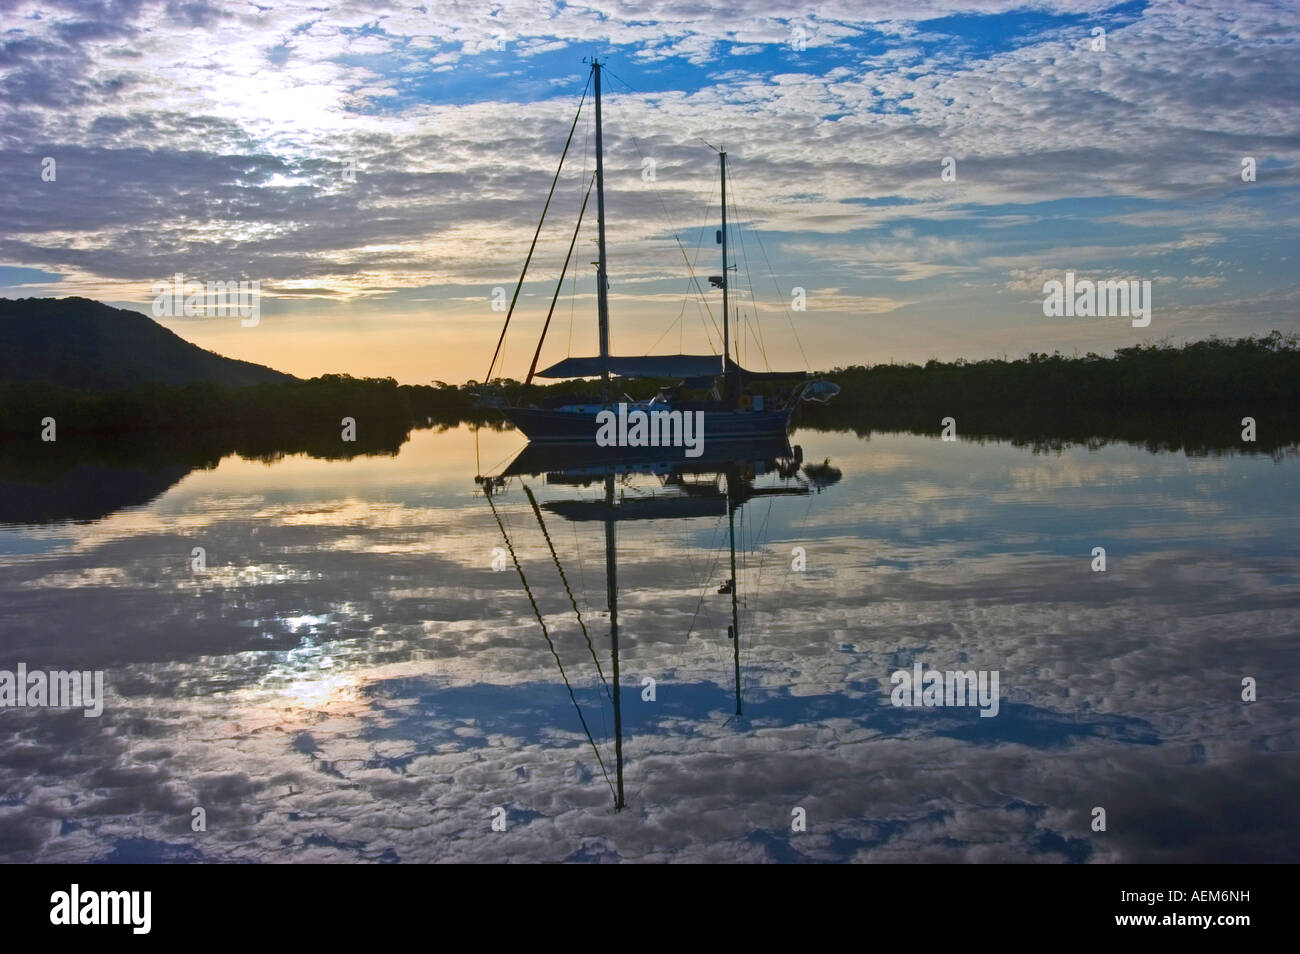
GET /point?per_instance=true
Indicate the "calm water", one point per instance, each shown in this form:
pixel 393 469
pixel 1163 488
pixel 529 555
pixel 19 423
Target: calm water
pixel 350 679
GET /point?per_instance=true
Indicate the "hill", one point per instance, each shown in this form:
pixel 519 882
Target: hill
pixel 85 345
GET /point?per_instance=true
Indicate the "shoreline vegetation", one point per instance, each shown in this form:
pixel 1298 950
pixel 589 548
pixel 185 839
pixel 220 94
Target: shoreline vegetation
pixel 1191 397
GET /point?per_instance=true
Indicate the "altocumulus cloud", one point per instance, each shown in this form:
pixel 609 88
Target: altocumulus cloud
pixel 212 138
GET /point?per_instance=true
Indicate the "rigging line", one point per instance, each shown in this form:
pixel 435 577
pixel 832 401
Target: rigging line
pixel 699 247
pixel 750 612
pixel 744 570
pixel 676 237
pixel 586 602
pixel 758 577
pixel 708 583
pixel 565 580
pixel 690 266
pixel 717 348
pixel 754 336
pixel 757 329
pixel 540 221
pixel 506 458
pixel 749 278
pixel 503 459
pixel 758 580
pixel 542 623
pixel 781 297
pixel 532 368
pixel 669 328
pixel 573 283
pixel 582 581
pixel 582 572
pixel 573 301
pixel 699 243
pixel 688 559
pixel 609 72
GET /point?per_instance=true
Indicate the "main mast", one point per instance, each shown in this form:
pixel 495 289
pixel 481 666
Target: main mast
pixel 726 321
pixel 611 551
pixel 602 281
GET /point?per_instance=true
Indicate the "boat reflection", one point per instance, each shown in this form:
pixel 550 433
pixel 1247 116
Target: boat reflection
pixel 718 483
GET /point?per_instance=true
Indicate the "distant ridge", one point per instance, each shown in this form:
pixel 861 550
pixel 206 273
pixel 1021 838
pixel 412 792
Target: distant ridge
pixel 87 345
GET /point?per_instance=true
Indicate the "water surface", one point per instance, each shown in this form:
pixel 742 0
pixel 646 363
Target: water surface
pixel 351 679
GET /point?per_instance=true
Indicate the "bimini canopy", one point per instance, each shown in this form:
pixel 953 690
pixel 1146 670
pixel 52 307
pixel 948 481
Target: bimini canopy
pixel 700 366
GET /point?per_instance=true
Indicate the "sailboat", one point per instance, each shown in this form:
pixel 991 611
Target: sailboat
pixel 726 411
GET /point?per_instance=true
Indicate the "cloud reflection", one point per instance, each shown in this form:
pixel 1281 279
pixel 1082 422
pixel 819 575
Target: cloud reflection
pixel 373 690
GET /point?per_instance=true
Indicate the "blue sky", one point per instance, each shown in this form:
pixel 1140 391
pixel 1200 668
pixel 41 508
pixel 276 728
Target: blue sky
pixel 210 139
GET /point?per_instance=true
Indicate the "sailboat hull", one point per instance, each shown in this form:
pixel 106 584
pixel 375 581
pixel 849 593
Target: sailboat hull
pixel 579 427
